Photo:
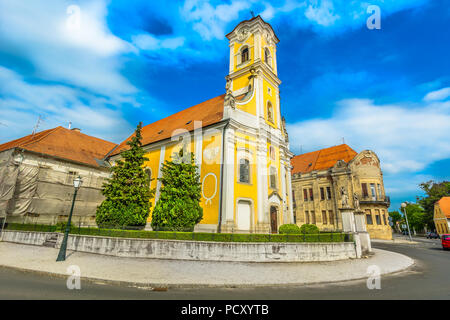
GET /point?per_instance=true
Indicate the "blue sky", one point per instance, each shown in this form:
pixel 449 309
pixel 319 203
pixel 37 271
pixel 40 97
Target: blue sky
pixel 122 62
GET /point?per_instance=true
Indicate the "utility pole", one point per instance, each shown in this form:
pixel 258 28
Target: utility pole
pixel 404 204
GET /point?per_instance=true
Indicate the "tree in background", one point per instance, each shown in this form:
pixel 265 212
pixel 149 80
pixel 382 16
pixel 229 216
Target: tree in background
pixel 416 217
pixel 178 207
pixel 128 191
pixel 396 218
pixel 434 192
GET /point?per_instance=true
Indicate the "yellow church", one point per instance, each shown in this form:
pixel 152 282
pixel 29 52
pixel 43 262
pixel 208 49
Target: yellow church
pixel 239 141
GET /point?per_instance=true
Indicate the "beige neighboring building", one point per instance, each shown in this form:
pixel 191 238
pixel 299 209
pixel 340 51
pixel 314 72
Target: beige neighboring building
pixel 442 215
pixel 317 178
pixel 37 172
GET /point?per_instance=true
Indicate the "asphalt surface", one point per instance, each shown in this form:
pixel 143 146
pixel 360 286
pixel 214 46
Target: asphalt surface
pixel 427 279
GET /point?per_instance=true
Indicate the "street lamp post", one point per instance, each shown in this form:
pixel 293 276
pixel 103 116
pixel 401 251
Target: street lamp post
pixel 404 204
pixel 62 251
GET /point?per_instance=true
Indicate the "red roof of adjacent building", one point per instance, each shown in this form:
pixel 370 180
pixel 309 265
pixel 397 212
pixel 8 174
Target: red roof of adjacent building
pixel 63 143
pixel 208 112
pixel 444 204
pixel 322 159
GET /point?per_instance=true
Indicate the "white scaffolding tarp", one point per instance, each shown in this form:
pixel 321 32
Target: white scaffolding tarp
pixel 26 189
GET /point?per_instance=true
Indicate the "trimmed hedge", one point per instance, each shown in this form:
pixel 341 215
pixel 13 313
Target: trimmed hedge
pixel 309 228
pixel 289 229
pixel 195 236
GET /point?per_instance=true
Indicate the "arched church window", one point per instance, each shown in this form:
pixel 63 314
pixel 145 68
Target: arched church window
pixel 273 177
pixel 245 56
pixel 269 112
pixel 272 153
pixel 244 170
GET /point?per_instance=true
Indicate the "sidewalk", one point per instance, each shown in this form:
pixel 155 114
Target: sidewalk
pixel 394 240
pixel 171 273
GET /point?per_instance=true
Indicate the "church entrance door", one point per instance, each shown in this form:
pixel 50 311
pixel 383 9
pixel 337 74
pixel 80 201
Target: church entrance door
pixel 274 219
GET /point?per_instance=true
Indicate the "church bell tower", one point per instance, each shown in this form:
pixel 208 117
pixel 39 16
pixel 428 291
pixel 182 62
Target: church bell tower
pixel 256 174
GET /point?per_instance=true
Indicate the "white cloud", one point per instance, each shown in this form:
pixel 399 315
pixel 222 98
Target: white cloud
pixel 322 13
pixel 210 22
pixel 149 42
pixel 21 103
pixel 437 95
pixel 406 139
pixel 87 56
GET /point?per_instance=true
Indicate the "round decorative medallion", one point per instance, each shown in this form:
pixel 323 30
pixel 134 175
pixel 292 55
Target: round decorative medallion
pixel 243 33
pixel 209 198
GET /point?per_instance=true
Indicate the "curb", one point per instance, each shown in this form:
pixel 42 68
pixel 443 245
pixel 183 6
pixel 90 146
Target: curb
pixel 166 286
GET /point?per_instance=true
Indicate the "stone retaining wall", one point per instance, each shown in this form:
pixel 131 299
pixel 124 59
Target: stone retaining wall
pixel 26 237
pixel 195 250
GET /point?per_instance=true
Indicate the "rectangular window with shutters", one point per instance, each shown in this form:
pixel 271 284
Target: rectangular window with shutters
pixel 294 205
pixel 322 194
pixel 311 196
pixel 377 216
pixel 324 217
pixel 365 192
pixel 313 217
pixel 329 193
pixel 369 217
pixel 373 192
pixel 305 194
pixel 330 213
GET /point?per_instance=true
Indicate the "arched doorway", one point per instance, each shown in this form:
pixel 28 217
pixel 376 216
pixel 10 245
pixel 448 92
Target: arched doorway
pixel 274 219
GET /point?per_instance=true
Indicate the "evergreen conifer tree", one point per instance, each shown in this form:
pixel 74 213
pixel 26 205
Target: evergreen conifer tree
pixel 127 192
pixel 178 207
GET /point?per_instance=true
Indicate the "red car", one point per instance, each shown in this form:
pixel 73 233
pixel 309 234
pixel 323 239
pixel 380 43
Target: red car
pixel 445 240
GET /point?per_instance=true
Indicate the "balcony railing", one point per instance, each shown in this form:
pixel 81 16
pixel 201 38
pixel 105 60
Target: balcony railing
pixel 375 200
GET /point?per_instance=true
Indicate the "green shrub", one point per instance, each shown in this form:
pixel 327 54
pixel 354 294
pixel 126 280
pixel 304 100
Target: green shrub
pixel 289 229
pixel 195 236
pixel 309 229
pixel 61 226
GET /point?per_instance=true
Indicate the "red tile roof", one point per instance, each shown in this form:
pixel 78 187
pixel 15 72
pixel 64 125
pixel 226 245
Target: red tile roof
pixel 63 143
pixel 444 204
pixel 208 112
pixel 322 159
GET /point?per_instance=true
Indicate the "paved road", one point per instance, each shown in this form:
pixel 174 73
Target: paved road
pixel 428 279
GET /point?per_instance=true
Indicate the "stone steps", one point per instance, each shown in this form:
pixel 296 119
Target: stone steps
pixel 51 241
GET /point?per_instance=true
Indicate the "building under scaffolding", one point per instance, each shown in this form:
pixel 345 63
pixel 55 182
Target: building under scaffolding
pixel 37 172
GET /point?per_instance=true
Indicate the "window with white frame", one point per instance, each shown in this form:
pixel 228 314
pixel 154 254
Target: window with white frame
pixel 273 177
pixel 244 170
pixel 272 153
pixel 245 54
